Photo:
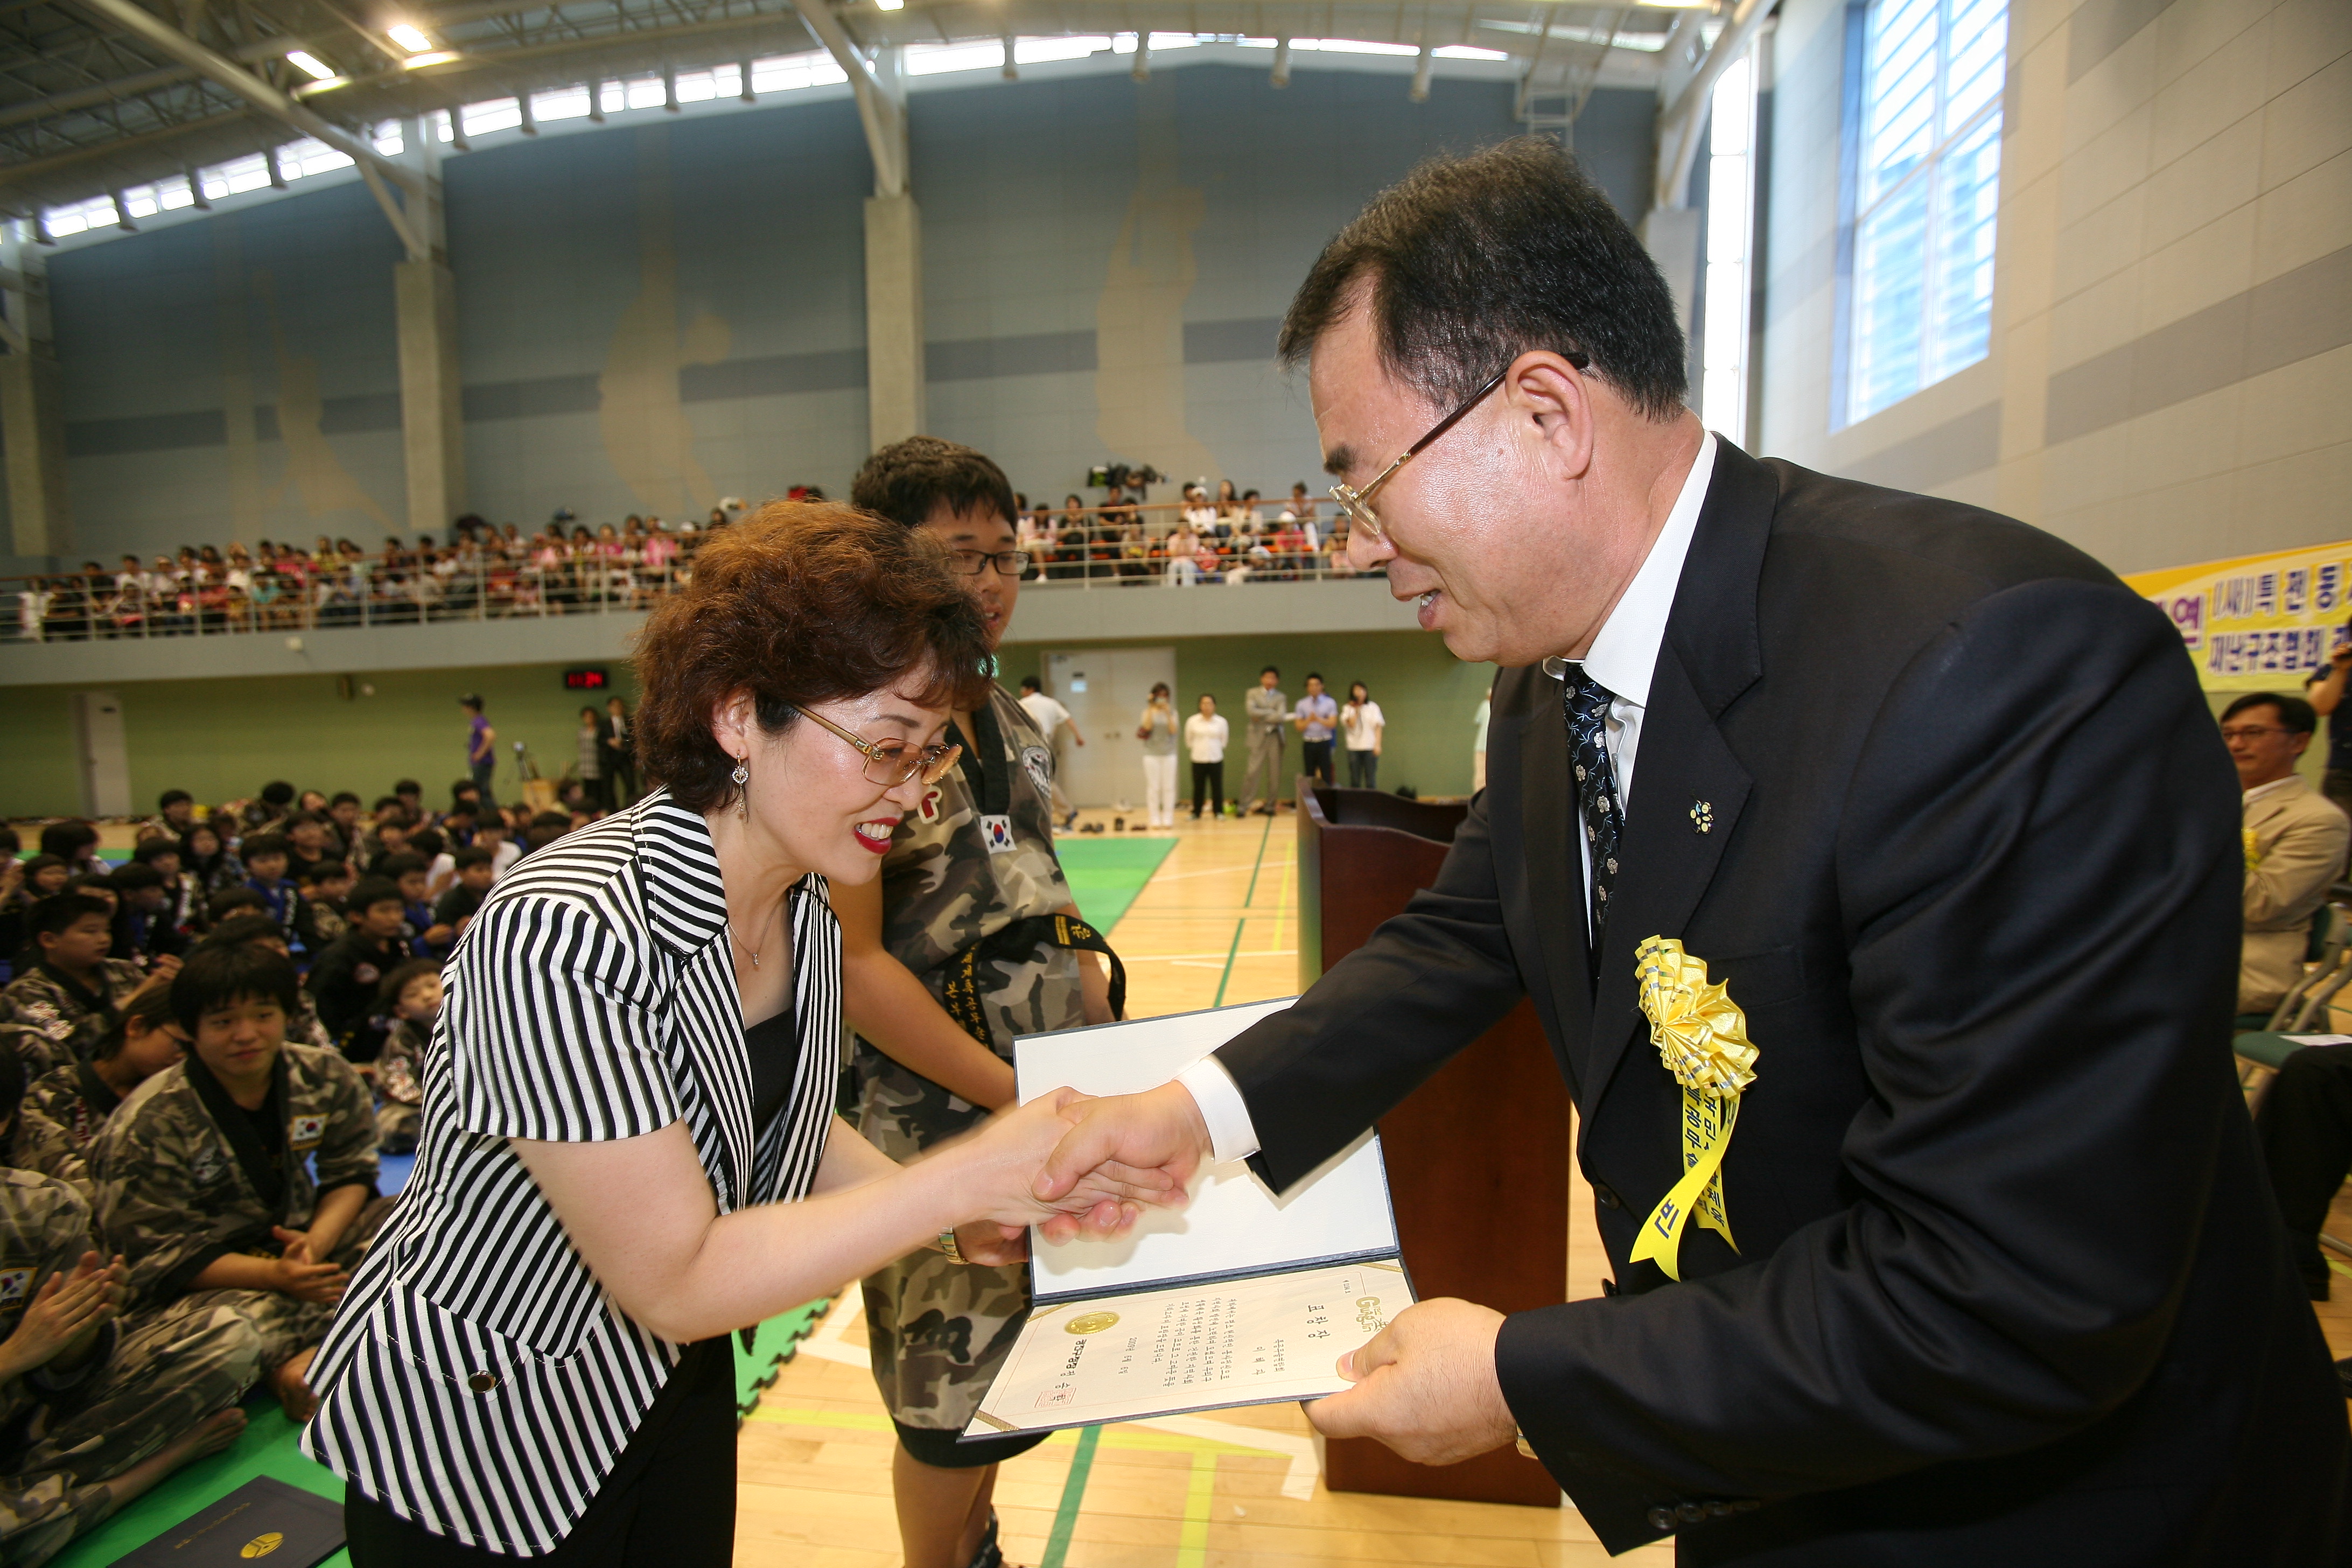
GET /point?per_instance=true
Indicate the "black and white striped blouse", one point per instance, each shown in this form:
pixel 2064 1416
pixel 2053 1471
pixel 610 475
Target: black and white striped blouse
pixel 477 1380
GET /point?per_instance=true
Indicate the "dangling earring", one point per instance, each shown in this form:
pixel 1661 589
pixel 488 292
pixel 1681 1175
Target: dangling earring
pixel 742 777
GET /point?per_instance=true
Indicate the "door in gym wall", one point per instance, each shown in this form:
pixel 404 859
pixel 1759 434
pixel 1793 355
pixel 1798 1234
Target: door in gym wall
pixel 1105 690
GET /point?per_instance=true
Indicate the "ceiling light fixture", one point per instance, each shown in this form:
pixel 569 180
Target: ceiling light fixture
pixel 409 39
pixel 438 56
pixel 889 5
pixel 309 64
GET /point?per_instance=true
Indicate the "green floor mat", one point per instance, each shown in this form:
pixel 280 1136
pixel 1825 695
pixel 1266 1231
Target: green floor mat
pixel 1106 874
pixel 267 1448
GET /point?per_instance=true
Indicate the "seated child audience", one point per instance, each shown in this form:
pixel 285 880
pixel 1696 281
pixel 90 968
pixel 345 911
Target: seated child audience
pixel 410 997
pixel 250 927
pixel 323 887
pixel 74 991
pixel 265 857
pixel 206 855
pixel 96 1405
pixel 427 936
pixel 184 896
pixel 65 1106
pixel 345 980
pixel 143 931
pixel 458 906
pixel 243 1176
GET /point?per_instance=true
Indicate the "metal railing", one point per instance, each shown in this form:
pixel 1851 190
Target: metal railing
pixel 495 577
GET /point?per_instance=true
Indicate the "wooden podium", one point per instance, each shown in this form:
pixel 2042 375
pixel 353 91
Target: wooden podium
pixel 1477 1158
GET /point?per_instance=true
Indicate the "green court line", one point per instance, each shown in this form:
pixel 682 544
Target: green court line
pixel 1251 897
pixel 1073 1490
pixel 1247 899
pixel 1230 951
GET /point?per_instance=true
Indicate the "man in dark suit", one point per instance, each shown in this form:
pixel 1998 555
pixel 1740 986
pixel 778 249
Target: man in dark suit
pixel 1938 801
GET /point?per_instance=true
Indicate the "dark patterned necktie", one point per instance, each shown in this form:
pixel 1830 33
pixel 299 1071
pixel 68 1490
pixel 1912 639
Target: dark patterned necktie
pixel 1586 703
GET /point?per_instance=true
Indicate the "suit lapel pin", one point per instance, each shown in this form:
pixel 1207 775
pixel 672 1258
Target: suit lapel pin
pixel 1702 816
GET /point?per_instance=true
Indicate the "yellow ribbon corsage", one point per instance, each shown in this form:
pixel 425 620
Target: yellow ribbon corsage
pixel 1702 1039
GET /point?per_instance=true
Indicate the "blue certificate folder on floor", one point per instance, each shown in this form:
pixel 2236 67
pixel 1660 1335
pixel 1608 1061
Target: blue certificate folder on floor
pixel 265 1517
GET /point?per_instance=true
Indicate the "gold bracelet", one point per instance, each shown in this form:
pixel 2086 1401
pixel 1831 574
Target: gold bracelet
pixel 948 1245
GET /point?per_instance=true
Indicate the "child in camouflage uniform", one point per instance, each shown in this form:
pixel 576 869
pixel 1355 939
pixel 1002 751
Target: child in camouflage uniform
pixel 64 1109
pixel 410 997
pixel 954 953
pixel 59 1009
pixel 95 1407
pixel 245 1176
pixel 260 930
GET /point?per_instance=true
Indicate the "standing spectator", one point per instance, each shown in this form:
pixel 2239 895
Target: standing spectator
pixel 595 787
pixel 619 740
pixel 1205 733
pixel 481 746
pixel 1318 719
pixel 1362 721
pixel 1479 744
pixel 2326 691
pixel 1158 733
pixel 1053 721
pixel 2296 840
pixel 1267 713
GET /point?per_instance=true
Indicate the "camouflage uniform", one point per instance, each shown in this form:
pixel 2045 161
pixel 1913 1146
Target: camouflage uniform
pixel 400 1078
pixel 179 1186
pixel 55 1025
pixel 156 1376
pixel 59 1121
pixel 940 1330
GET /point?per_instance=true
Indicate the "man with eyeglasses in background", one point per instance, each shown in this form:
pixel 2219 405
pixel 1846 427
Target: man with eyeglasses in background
pixel 1926 886
pixel 968 937
pixel 2295 842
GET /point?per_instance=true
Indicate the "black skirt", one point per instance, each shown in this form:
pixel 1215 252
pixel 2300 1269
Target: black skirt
pixel 668 1503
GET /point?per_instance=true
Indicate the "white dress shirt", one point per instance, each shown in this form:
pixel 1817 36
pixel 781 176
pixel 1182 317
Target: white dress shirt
pixel 1623 656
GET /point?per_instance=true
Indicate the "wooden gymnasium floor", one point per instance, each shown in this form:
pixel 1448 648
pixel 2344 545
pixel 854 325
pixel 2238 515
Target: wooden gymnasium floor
pixel 1234 1489
pixel 1218 922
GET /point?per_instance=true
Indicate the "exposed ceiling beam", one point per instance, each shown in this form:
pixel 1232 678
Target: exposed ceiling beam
pixel 881 107
pixel 1678 126
pixel 144 25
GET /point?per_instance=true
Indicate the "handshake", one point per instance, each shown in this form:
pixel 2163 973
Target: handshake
pixel 1074 1165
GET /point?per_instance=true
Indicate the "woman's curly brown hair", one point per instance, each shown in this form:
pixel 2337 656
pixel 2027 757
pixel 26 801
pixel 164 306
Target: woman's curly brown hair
pixel 799 603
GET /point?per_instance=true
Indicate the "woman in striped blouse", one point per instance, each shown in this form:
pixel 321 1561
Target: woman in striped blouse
pixel 626 1151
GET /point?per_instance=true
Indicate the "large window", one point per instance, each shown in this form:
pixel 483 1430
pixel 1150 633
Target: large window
pixel 1730 193
pixel 1927 186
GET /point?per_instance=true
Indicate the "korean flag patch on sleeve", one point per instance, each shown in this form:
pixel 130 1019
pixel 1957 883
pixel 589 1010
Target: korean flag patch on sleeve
pixel 305 1132
pixel 13 1284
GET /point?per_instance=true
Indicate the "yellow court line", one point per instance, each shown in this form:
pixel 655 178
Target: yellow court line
pixel 1193 1542
pixel 1115 1437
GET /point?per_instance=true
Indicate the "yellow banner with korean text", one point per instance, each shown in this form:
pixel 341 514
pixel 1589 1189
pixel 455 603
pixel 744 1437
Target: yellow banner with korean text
pixel 2258 623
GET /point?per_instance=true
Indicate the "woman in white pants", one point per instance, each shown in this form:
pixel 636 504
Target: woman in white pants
pixel 1158 733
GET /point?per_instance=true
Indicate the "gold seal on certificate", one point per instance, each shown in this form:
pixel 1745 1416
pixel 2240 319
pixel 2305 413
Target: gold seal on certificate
pixel 1702 1039
pixel 1091 1322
